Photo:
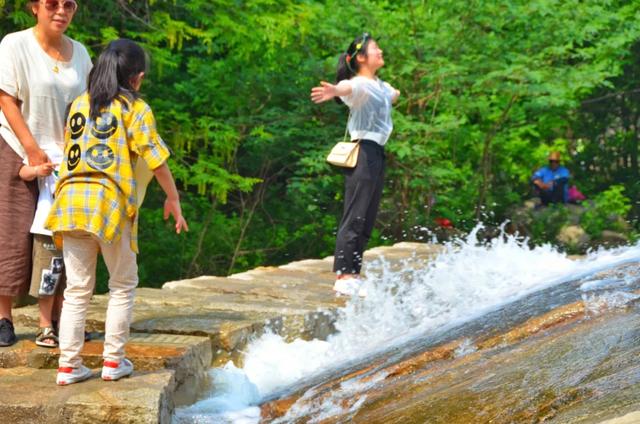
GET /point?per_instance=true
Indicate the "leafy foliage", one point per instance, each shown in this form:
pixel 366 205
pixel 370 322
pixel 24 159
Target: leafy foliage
pixel 547 223
pixel 607 212
pixel 488 88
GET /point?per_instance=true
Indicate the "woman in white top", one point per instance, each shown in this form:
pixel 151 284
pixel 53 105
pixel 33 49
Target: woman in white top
pixel 41 72
pixel 369 100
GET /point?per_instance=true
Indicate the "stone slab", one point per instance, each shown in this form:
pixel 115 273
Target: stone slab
pixel 155 303
pixel 280 275
pixel 311 265
pixel 29 316
pixel 273 299
pixel 31 396
pixel 189 356
pixel 214 284
pixel 294 294
pixel 404 250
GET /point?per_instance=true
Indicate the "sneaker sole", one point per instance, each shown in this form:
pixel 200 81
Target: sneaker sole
pixel 114 378
pixel 67 383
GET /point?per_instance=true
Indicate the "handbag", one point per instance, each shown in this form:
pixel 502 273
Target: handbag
pixel 345 153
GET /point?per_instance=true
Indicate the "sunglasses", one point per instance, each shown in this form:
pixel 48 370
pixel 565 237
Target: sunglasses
pixel 68 6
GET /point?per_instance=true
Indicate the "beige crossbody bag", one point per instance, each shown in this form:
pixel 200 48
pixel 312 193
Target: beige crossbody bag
pixel 345 153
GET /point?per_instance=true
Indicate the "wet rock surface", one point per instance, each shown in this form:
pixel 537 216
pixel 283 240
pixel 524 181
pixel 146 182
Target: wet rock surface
pixel 585 372
pixel 575 362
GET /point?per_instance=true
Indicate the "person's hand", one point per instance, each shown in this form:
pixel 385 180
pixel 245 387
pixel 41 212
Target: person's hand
pixel 172 207
pixel 323 93
pixel 45 169
pixel 542 185
pixel 546 186
pixel 37 156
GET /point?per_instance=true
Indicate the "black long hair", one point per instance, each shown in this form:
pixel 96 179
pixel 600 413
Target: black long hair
pixel 348 65
pixel 111 77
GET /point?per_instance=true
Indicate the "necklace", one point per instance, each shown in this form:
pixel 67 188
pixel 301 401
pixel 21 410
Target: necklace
pixel 55 68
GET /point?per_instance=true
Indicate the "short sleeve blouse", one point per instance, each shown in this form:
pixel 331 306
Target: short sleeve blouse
pixel 27 74
pixel 370 103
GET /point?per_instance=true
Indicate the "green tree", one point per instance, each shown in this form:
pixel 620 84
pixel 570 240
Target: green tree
pixel 488 87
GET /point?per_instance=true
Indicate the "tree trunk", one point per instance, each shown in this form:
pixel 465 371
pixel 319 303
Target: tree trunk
pixel 485 165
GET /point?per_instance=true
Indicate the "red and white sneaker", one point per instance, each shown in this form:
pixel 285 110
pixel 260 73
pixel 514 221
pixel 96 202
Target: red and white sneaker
pixel 68 375
pixel 112 371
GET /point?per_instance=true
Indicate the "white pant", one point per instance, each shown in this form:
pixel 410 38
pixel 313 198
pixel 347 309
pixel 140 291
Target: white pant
pixel 80 251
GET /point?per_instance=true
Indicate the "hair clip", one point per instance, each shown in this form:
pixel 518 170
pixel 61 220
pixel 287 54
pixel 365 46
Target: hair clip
pixel 358 46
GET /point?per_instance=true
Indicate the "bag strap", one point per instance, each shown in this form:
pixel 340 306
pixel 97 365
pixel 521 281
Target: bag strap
pixel 346 129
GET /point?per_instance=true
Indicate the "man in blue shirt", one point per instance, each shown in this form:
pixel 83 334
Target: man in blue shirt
pixel 551 182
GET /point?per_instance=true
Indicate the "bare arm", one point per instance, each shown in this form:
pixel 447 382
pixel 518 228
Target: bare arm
pixel 172 203
pixel 326 91
pixel 396 92
pixel 395 96
pixel 538 182
pixel 11 110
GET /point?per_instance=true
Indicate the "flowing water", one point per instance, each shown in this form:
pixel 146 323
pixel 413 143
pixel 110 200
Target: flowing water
pixel 470 289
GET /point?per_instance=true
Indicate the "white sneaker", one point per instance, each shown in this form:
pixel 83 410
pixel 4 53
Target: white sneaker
pixel 68 375
pixel 347 286
pixel 112 371
pixel 362 292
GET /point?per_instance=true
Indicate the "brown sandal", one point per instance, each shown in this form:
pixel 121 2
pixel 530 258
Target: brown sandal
pixel 46 337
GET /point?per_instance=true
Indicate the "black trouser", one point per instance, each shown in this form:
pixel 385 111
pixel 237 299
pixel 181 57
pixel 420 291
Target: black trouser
pixel 363 191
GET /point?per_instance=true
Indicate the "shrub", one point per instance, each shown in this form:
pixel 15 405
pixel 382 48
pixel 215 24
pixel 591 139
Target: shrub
pixel 607 212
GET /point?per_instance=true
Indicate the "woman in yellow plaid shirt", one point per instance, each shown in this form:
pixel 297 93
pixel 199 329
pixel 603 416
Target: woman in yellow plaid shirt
pixel 109 129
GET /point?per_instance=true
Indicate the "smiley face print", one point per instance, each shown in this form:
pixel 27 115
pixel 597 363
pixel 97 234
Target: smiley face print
pixel 76 125
pixel 73 158
pixel 105 126
pixel 100 157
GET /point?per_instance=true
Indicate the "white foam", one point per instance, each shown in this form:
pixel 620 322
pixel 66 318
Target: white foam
pixel 465 281
pixel 230 402
pixel 596 304
pixel 466 347
pixel 600 284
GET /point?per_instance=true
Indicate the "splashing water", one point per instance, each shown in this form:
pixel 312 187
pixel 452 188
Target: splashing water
pixel 467 280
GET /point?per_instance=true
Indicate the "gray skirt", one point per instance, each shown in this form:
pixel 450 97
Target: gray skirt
pixel 18 201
